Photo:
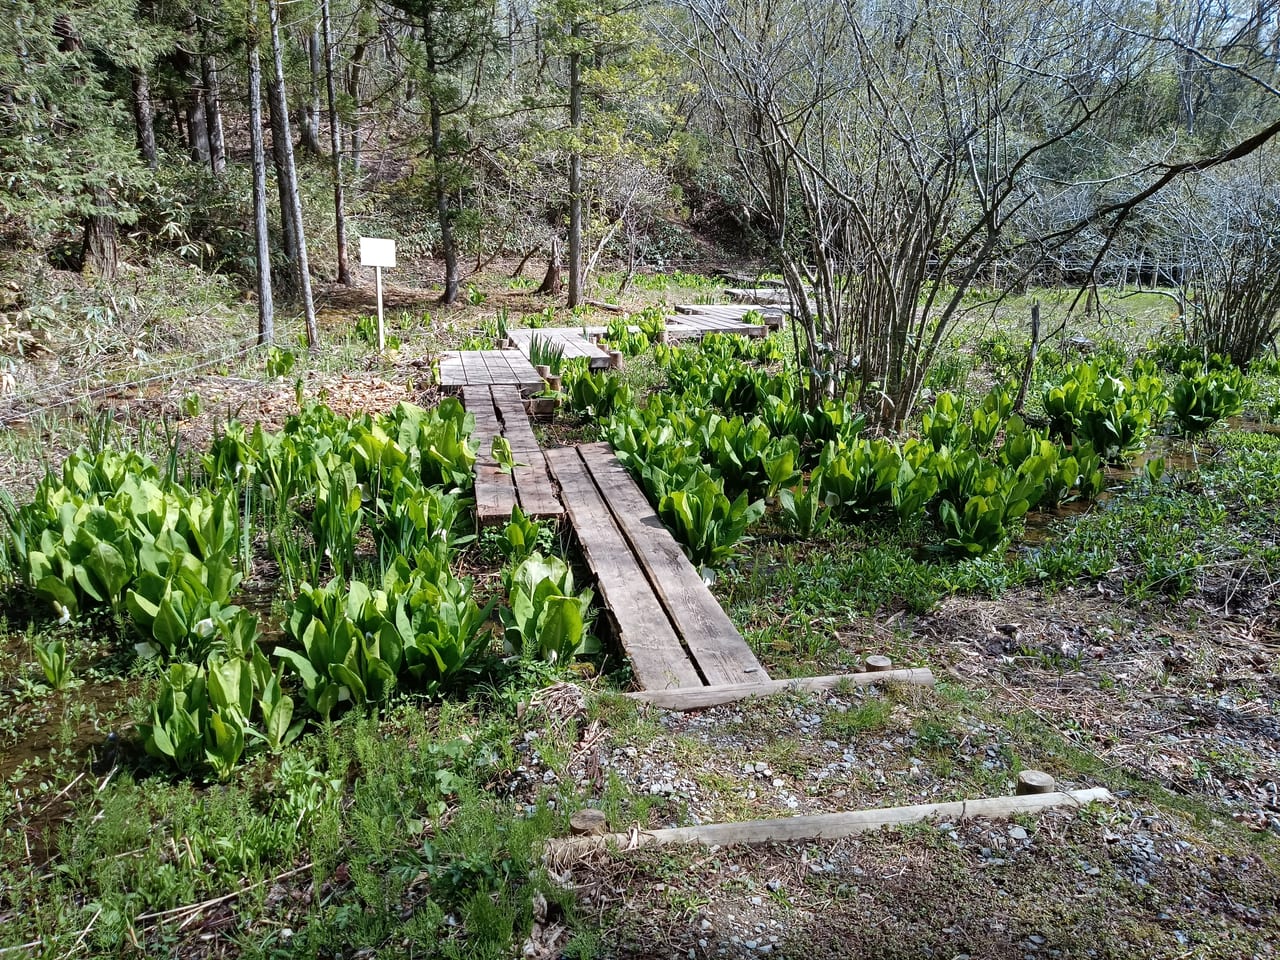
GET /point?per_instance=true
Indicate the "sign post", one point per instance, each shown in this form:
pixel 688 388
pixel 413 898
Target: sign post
pixel 378 253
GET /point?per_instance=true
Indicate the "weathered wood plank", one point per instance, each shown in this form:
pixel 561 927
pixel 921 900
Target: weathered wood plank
pixel 570 339
pixel 721 654
pixel 647 637
pixel 825 826
pixel 495 490
pixel 698 698
pixel 534 489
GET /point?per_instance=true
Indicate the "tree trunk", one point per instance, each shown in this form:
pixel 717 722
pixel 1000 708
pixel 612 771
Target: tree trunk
pixel 575 170
pixel 354 72
pixel 189 67
pixel 551 282
pixel 309 135
pixel 335 144
pixel 197 124
pixel 144 117
pixel 211 88
pixel 294 203
pixel 266 304
pixel 448 242
pixel 101 254
pixel 279 138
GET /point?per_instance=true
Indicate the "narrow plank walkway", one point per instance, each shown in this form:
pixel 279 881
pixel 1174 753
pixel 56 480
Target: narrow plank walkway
pixel 461 368
pixel 774 296
pixel 692 324
pixel 570 339
pixel 669 624
pixel 499 411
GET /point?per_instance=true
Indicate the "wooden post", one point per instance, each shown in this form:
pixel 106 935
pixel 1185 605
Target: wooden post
pixel 1031 358
pixel 1034 781
pixel 382 340
pixel 823 826
pixel 878 664
pixel 699 698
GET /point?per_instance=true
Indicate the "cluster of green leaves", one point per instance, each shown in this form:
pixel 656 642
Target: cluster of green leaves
pixel 545 617
pixel 204 715
pixel 352 643
pixel 110 531
pixel 621 336
pixel 1210 391
pixel 1113 412
pixel 597 395
pixel 544 353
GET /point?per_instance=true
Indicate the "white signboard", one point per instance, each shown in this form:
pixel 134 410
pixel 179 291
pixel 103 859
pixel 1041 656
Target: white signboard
pixel 377 252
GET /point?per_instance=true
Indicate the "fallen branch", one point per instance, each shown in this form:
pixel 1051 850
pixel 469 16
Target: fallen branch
pixel 824 826
pixel 195 908
pixel 695 698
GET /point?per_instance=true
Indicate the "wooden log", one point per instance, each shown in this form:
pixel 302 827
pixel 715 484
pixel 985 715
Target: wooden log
pixel 824 826
pixel 1032 782
pixel 589 822
pixel 697 698
pixel 878 664
pixel 615 359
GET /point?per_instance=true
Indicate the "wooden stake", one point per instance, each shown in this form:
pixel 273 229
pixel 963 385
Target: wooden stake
pixel 696 698
pixel 825 826
pixel 1034 782
pixel 878 664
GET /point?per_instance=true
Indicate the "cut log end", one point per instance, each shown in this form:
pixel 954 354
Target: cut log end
pixel 1035 781
pixel 589 822
pixel 878 664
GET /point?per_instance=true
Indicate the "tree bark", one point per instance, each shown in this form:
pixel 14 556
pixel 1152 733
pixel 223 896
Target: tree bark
pixel 309 135
pixel 335 144
pixel 144 117
pixel 575 169
pixel 448 243
pixel 197 124
pixel 266 303
pixel 279 138
pixel 354 72
pixel 189 66
pixel 551 282
pixel 211 89
pixel 101 248
pixel 294 203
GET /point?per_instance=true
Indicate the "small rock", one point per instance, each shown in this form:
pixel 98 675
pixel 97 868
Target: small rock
pixel 1017 833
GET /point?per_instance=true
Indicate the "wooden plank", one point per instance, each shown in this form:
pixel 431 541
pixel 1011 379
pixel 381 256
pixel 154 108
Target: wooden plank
pixel 495 490
pixel 571 339
pixel 721 654
pixel 697 698
pixel 495 494
pixel 657 658
pixel 534 489
pixel 825 826
pixel 451 372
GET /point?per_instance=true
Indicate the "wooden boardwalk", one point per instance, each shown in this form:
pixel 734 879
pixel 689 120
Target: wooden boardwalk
pixel 499 411
pixel 461 368
pixel 668 623
pixel 691 324
pixel 570 339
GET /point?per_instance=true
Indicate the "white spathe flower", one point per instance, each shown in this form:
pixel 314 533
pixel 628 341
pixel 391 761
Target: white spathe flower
pixel 64 613
pixel 205 628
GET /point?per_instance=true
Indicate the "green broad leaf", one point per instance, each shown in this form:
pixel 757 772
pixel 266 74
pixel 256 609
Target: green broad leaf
pixel 55 589
pixel 349 679
pixel 169 627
